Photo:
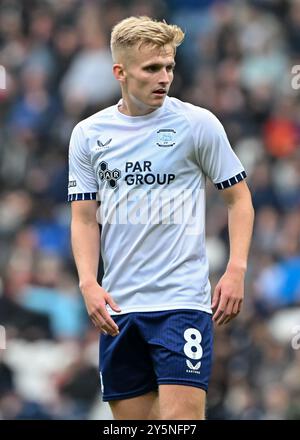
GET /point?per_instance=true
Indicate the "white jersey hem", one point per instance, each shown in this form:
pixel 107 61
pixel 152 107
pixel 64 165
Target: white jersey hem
pixel 161 308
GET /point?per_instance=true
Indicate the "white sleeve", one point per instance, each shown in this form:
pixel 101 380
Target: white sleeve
pixel 213 151
pixel 82 182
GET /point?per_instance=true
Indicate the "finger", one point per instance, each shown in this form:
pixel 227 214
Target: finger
pixel 110 323
pixel 229 307
pixel 218 314
pixel 216 298
pixel 102 316
pixel 223 319
pixel 221 309
pixel 98 322
pixel 226 313
pixel 102 326
pixel 228 319
pixel 112 304
pixel 236 307
pixel 112 331
pixel 235 311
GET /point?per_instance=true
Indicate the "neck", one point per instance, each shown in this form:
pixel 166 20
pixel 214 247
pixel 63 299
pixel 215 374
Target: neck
pixel 131 106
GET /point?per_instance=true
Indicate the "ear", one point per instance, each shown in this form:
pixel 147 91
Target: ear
pixel 119 72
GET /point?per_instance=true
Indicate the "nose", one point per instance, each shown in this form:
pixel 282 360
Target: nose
pixel 164 77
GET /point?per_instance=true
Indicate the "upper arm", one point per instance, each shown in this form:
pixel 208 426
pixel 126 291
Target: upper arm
pixel 239 191
pixel 214 154
pixel 85 211
pixel 82 180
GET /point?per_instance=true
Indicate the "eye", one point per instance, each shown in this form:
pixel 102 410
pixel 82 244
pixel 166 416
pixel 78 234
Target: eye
pixel 151 69
pixel 170 68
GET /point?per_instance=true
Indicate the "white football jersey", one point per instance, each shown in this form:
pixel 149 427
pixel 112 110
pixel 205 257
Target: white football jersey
pixel 148 173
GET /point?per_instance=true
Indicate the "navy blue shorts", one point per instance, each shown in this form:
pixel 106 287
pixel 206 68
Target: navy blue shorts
pixel 152 348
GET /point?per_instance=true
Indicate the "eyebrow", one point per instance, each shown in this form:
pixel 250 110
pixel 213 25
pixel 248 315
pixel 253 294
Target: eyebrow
pixel 173 64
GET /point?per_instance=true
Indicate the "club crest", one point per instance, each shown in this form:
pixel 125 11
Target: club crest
pixel 165 137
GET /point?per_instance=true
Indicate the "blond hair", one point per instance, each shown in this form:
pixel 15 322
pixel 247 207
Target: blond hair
pixel 134 31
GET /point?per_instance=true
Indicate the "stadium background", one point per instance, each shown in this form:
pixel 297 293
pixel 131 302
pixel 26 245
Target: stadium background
pixel 236 61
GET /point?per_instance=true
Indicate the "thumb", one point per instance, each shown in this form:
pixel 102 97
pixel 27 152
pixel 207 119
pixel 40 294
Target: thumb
pixel 112 304
pixel 216 296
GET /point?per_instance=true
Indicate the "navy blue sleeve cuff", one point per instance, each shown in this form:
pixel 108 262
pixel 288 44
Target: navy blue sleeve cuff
pixel 232 181
pixel 82 196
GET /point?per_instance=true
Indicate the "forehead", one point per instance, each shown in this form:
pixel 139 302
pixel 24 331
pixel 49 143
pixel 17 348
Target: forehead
pixel 150 54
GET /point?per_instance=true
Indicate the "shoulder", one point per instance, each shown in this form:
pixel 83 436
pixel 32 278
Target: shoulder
pixel 95 119
pixel 193 113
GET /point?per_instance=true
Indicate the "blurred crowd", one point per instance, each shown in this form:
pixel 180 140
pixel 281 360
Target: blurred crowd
pixel 236 61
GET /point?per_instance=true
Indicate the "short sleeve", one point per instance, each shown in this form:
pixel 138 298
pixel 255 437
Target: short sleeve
pixel 82 182
pixel 213 151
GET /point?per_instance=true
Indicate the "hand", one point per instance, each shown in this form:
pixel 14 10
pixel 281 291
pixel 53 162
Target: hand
pixel 228 296
pixel 96 298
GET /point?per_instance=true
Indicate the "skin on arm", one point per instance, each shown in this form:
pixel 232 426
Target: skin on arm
pixel 229 292
pixel 85 239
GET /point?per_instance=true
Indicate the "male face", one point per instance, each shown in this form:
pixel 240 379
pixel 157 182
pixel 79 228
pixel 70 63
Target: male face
pixel 147 76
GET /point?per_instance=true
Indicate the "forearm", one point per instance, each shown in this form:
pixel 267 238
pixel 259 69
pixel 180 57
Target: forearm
pixel 85 239
pixel 240 226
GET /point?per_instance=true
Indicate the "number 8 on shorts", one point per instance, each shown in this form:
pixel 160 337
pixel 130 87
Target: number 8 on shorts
pixel 193 341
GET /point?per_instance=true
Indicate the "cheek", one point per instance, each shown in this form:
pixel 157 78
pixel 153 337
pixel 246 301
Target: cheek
pixel 138 82
pixel 141 85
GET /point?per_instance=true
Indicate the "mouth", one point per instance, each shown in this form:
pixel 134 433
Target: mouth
pixel 160 92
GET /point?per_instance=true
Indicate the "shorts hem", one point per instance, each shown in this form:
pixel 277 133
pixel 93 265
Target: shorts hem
pixel 107 398
pixel 182 382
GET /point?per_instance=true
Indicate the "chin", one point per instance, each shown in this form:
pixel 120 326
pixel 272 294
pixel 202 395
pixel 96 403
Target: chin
pixel 158 102
pixel 156 105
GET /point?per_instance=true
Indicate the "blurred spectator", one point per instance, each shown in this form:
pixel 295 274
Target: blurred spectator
pixel 89 80
pixel 53 292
